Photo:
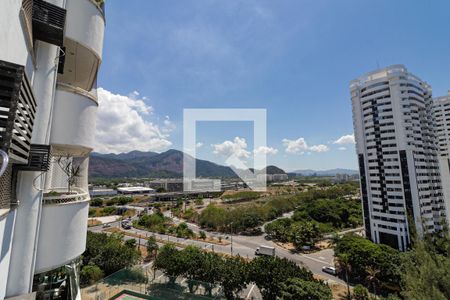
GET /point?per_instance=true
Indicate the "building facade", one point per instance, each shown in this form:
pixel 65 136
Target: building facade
pixel 50 53
pixel 441 110
pixel 398 156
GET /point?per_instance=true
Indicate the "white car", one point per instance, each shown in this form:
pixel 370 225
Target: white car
pixel 329 270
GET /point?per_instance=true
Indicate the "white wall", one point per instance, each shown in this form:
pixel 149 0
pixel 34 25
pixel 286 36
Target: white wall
pixel 62 234
pixel 73 120
pixel 6 234
pixel 16 50
pixel 85 24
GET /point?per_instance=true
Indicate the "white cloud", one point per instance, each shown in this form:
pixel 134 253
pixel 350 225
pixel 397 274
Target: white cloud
pixel 169 126
pixel 345 139
pixel 199 145
pixel 266 150
pixel 295 146
pixel 299 146
pixel 342 148
pixel 237 147
pixel 319 148
pixel 121 126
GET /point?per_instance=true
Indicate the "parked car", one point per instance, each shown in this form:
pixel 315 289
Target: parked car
pixel 329 270
pixel 106 225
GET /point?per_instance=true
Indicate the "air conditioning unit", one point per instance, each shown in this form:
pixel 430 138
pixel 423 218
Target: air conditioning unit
pixel 48 22
pixel 38 160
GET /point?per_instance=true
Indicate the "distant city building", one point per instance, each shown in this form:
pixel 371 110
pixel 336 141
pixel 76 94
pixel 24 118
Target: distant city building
pixel 340 178
pixel 169 185
pixel 202 185
pixel 398 155
pixel 441 110
pixel 272 177
pixel 102 192
pixel 135 190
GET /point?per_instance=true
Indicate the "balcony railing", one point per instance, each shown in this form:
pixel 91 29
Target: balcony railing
pixel 17 112
pixel 62 195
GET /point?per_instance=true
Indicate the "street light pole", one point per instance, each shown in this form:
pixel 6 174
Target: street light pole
pixel 231 234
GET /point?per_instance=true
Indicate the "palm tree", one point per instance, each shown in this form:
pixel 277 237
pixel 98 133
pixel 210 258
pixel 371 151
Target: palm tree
pixel 343 263
pixel 371 277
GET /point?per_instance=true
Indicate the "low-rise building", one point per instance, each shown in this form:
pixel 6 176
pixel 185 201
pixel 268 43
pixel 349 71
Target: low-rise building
pixel 135 190
pixel 102 192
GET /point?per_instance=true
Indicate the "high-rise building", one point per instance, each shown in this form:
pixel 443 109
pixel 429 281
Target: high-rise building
pixel 441 110
pixel 398 157
pixel 50 53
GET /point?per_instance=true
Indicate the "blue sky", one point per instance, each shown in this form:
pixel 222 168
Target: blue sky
pixel 293 58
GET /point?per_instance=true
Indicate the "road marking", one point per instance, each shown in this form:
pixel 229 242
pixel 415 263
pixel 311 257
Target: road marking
pixel 250 292
pixel 315 259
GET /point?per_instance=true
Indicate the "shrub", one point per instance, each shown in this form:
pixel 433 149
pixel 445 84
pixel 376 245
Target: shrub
pixel 90 274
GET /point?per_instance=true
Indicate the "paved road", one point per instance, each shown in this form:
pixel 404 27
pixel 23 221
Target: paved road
pixel 245 246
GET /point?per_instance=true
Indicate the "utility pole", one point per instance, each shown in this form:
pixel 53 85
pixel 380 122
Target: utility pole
pixel 231 235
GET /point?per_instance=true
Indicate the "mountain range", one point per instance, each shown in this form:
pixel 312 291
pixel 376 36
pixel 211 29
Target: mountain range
pixel 331 172
pixel 157 165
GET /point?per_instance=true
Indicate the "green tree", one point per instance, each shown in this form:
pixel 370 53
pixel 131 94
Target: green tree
pixel 109 253
pixel 279 229
pixel 194 267
pixel 371 277
pixel 360 293
pixel 96 202
pixel 170 261
pixel 152 246
pixel 425 274
pixel 90 274
pixel 344 266
pixel 234 276
pixel 202 235
pixel 210 271
pixel 362 254
pixel 299 289
pixel 198 201
pixel 269 272
pixel 131 243
pixel 304 234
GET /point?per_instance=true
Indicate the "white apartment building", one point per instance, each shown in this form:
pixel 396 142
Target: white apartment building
pixel 398 156
pixel 441 110
pixel 50 53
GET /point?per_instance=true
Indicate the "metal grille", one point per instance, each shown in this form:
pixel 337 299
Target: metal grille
pixel 39 159
pixel 17 112
pixel 27 13
pixel 6 188
pixel 48 22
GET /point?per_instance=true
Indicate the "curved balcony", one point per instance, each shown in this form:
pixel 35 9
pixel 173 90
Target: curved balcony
pixel 62 195
pixel 62 234
pixel 83 43
pixel 74 117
